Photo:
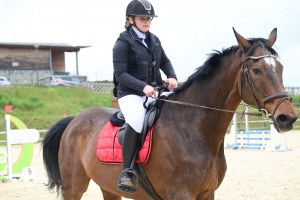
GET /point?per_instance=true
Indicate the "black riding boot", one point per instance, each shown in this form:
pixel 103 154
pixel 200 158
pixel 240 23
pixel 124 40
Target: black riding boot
pixel 129 145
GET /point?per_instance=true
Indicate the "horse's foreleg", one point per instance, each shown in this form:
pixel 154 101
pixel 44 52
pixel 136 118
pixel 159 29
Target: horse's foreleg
pixel 109 196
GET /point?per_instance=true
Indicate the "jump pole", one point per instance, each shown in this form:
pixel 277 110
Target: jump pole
pixel 286 142
pixel 8 147
pixel 246 119
pixel 274 133
pixel 232 134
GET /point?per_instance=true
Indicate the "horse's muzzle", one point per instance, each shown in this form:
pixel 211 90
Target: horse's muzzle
pixel 284 123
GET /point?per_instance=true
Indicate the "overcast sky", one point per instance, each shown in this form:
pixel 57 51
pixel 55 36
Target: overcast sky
pixel 188 29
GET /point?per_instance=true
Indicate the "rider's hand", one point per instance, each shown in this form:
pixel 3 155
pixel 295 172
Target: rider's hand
pixel 149 91
pixel 172 83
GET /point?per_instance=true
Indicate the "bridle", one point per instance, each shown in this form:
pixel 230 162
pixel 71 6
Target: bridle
pixel 249 82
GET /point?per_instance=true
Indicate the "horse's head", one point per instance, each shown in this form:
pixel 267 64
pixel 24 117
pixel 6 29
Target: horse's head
pixel 261 81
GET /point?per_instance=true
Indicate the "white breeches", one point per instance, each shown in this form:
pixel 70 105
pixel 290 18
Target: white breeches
pixel 134 111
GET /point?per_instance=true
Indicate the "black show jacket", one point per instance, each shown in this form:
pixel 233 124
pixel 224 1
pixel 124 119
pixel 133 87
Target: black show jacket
pixel 136 66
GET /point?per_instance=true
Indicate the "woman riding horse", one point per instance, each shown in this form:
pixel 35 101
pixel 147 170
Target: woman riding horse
pixel 137 56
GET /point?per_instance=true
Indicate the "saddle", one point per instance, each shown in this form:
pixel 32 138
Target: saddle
pixel 152 114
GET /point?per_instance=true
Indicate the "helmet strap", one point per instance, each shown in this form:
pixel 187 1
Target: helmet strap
pixel 134 24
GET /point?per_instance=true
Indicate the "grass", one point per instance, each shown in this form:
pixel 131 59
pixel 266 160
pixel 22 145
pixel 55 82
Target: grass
pixel 40 107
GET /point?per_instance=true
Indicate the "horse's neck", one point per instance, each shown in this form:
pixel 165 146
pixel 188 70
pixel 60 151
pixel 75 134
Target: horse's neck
pixel 219 90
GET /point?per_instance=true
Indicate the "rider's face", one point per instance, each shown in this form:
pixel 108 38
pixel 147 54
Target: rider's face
pixel 142 23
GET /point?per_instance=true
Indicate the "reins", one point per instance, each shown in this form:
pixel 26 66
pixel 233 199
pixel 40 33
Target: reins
pixel 206 107
pixel 245 71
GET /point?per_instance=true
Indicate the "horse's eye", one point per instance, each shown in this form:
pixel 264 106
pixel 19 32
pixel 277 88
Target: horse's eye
pixel 256 71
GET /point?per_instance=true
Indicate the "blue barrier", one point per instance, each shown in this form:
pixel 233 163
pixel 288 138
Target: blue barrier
pixel 252 139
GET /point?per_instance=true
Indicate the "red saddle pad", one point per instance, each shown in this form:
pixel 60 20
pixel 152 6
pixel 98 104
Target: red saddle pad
pixel 109 150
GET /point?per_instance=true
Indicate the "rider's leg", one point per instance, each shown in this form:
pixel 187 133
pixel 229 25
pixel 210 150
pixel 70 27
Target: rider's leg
pixel 134 113
pixel 129 146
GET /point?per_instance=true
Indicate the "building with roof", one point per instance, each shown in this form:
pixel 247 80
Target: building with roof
pixel 26 63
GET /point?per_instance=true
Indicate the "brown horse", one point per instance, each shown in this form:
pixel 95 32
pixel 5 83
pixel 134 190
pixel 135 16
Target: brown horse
pixel 187 159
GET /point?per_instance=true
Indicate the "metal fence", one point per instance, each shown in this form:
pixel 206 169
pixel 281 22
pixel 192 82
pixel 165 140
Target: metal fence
pixel 105 88
pixel 293 90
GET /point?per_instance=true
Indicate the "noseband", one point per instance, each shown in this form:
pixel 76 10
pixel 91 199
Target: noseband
pixel 249 81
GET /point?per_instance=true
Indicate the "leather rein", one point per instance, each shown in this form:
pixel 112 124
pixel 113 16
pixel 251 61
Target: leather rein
pixel 249 82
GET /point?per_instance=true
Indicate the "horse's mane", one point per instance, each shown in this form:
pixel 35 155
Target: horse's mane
pixel 217 57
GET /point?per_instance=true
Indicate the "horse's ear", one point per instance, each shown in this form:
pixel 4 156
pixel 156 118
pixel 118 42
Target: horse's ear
pixel 272 38
pixel 243 43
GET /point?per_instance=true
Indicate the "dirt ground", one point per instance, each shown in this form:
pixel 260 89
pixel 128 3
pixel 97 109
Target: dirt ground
pixel 251 174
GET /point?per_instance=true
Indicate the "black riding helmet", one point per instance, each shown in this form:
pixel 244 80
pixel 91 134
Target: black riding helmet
pixel 140 8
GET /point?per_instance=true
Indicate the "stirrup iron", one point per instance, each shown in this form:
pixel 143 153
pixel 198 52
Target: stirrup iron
pixel 125 188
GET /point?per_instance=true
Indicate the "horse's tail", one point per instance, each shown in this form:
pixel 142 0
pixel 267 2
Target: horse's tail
pixel 50 146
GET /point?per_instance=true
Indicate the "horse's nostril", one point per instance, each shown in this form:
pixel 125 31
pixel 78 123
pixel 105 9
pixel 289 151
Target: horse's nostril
pixel 284 122
pixel 282 119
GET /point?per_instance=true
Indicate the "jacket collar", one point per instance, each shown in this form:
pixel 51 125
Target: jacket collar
pixel 133 34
